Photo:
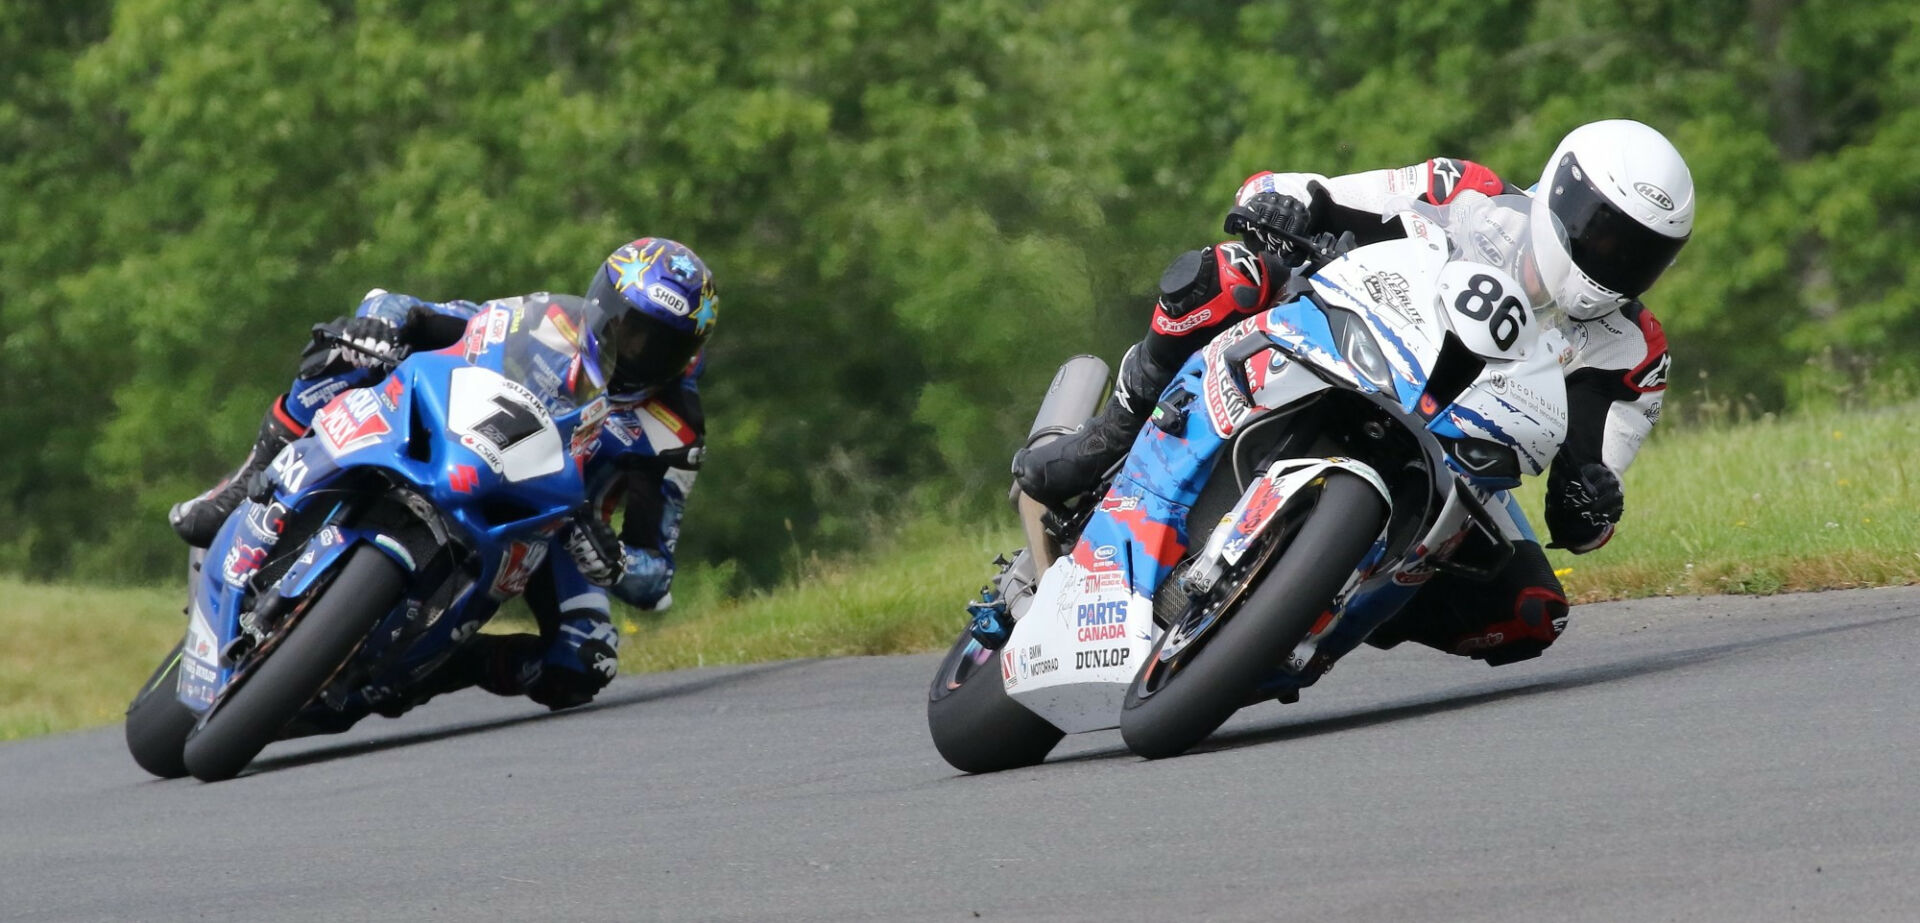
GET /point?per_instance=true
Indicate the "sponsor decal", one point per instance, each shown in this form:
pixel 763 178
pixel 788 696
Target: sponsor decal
pixel 290 469
pixel 1391 289
pixel 1446 179
pixel 1007 675
pixel 1243 261
pixel 1116 504
pixel 1105 552
pixel 264 522
pixel 475 341
pixel 557 316
pixel 675 303
pixel 1102 621
pixel 1105 581
pixel 1162 324
pixel 463 479
pixel 390 393
pixel 586 435
pixel 315 395
pixel 1656 195
pixel 497 321
pixel 1106 657
pixel 681 431
pixel 544 375
pixel 517 565
pixel 199 673
pixel 519 312
pixel 619 430
pixel 1652 376
pixel 330 536
pixel 242 560
pixel 351 422
pixel 1033 663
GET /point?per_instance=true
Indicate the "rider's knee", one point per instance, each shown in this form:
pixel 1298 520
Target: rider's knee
pixel 1539 617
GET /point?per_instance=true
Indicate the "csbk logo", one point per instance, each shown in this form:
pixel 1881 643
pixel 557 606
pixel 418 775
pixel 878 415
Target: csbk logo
pixel 1654 194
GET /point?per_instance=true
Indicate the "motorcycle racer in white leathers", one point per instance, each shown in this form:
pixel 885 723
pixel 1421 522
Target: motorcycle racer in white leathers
pixel 1625 198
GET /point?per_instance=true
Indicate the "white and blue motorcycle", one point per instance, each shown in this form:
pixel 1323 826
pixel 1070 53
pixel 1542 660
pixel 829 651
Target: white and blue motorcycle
pixel 1301 477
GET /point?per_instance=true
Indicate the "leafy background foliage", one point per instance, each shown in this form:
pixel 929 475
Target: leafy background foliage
pixel 914 209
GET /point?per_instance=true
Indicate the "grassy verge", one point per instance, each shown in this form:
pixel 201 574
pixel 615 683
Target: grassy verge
pixel 1763 507
pixel 75 655
pixel 1771 506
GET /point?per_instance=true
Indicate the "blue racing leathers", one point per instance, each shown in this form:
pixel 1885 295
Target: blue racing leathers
pixel 644 458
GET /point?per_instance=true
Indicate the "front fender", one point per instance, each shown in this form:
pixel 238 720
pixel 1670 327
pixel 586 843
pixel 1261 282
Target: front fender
pixel 1261 504
pixel 329 546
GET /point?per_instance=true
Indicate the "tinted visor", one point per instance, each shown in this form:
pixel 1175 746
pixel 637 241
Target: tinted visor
pixel 644 352
pixel 1607 244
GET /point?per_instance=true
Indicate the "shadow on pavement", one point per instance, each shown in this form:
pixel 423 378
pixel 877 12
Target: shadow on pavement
pixel 1480 695
pixel 601 704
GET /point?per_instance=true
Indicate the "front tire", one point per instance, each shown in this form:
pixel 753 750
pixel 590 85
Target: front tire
pixel 976 726
pixel 158 723
pixel 368 586
pixel 1210 683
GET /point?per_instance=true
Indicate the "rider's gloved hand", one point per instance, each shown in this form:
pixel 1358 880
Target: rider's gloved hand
pixel 1265 219
pixel 595 549
pixel 370 342
pixel 1583 506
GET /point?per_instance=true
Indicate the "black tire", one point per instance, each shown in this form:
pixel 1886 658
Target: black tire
pixel 158 724
pixel 366 589
pixel 976 726
pixel 1213 681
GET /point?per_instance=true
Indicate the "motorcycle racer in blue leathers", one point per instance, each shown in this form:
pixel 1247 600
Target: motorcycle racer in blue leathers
pixel 646 455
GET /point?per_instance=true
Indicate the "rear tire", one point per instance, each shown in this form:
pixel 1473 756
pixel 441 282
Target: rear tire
pixel 158 723
pixel 1213 682
pixel 976 726
pixel 367 588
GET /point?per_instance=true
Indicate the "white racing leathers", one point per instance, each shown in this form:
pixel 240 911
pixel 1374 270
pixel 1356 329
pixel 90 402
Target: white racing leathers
pixel 1616 365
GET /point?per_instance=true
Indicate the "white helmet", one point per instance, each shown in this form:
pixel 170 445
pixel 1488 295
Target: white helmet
pixel 1625 197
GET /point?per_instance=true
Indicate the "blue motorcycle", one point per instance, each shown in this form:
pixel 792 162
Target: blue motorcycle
pixel 376 545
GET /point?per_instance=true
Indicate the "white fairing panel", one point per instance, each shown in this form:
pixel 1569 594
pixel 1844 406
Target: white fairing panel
pixel 479 400
pixel 1523 404
pixel 1077 647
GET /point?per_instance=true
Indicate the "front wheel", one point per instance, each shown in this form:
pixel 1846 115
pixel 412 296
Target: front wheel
pixel 368 586
pixel 1175 703
pixel 158 723
pixel 976 726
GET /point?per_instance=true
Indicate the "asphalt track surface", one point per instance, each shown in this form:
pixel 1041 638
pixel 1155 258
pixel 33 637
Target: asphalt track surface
pixel 1683 759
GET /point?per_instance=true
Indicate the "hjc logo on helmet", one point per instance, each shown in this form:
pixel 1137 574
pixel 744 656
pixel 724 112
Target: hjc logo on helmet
pixel 1654 194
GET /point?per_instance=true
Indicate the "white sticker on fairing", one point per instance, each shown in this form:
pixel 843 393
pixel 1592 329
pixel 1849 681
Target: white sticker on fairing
pixel 200 644
pixel 1075 651
pixel 503 423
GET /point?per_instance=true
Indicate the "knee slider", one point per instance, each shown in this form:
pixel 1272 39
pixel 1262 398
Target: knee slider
pixel 1190 281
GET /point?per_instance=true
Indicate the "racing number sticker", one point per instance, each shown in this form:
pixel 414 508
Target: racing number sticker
pixel 1484 299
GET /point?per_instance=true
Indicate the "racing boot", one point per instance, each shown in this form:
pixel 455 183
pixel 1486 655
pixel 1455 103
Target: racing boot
pixel 504 665
pixel 1200 292
pixel 198 520
pixel 1058 471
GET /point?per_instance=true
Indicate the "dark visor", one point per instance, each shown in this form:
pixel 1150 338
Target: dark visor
pixel 1607 244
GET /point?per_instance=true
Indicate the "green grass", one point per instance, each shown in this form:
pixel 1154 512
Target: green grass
pixel 1771 506
pixel 75 655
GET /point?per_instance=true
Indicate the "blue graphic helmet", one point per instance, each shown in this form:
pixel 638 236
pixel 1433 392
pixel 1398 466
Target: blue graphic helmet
pixel 656 306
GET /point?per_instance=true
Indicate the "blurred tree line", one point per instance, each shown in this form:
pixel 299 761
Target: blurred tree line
pixel 914 209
